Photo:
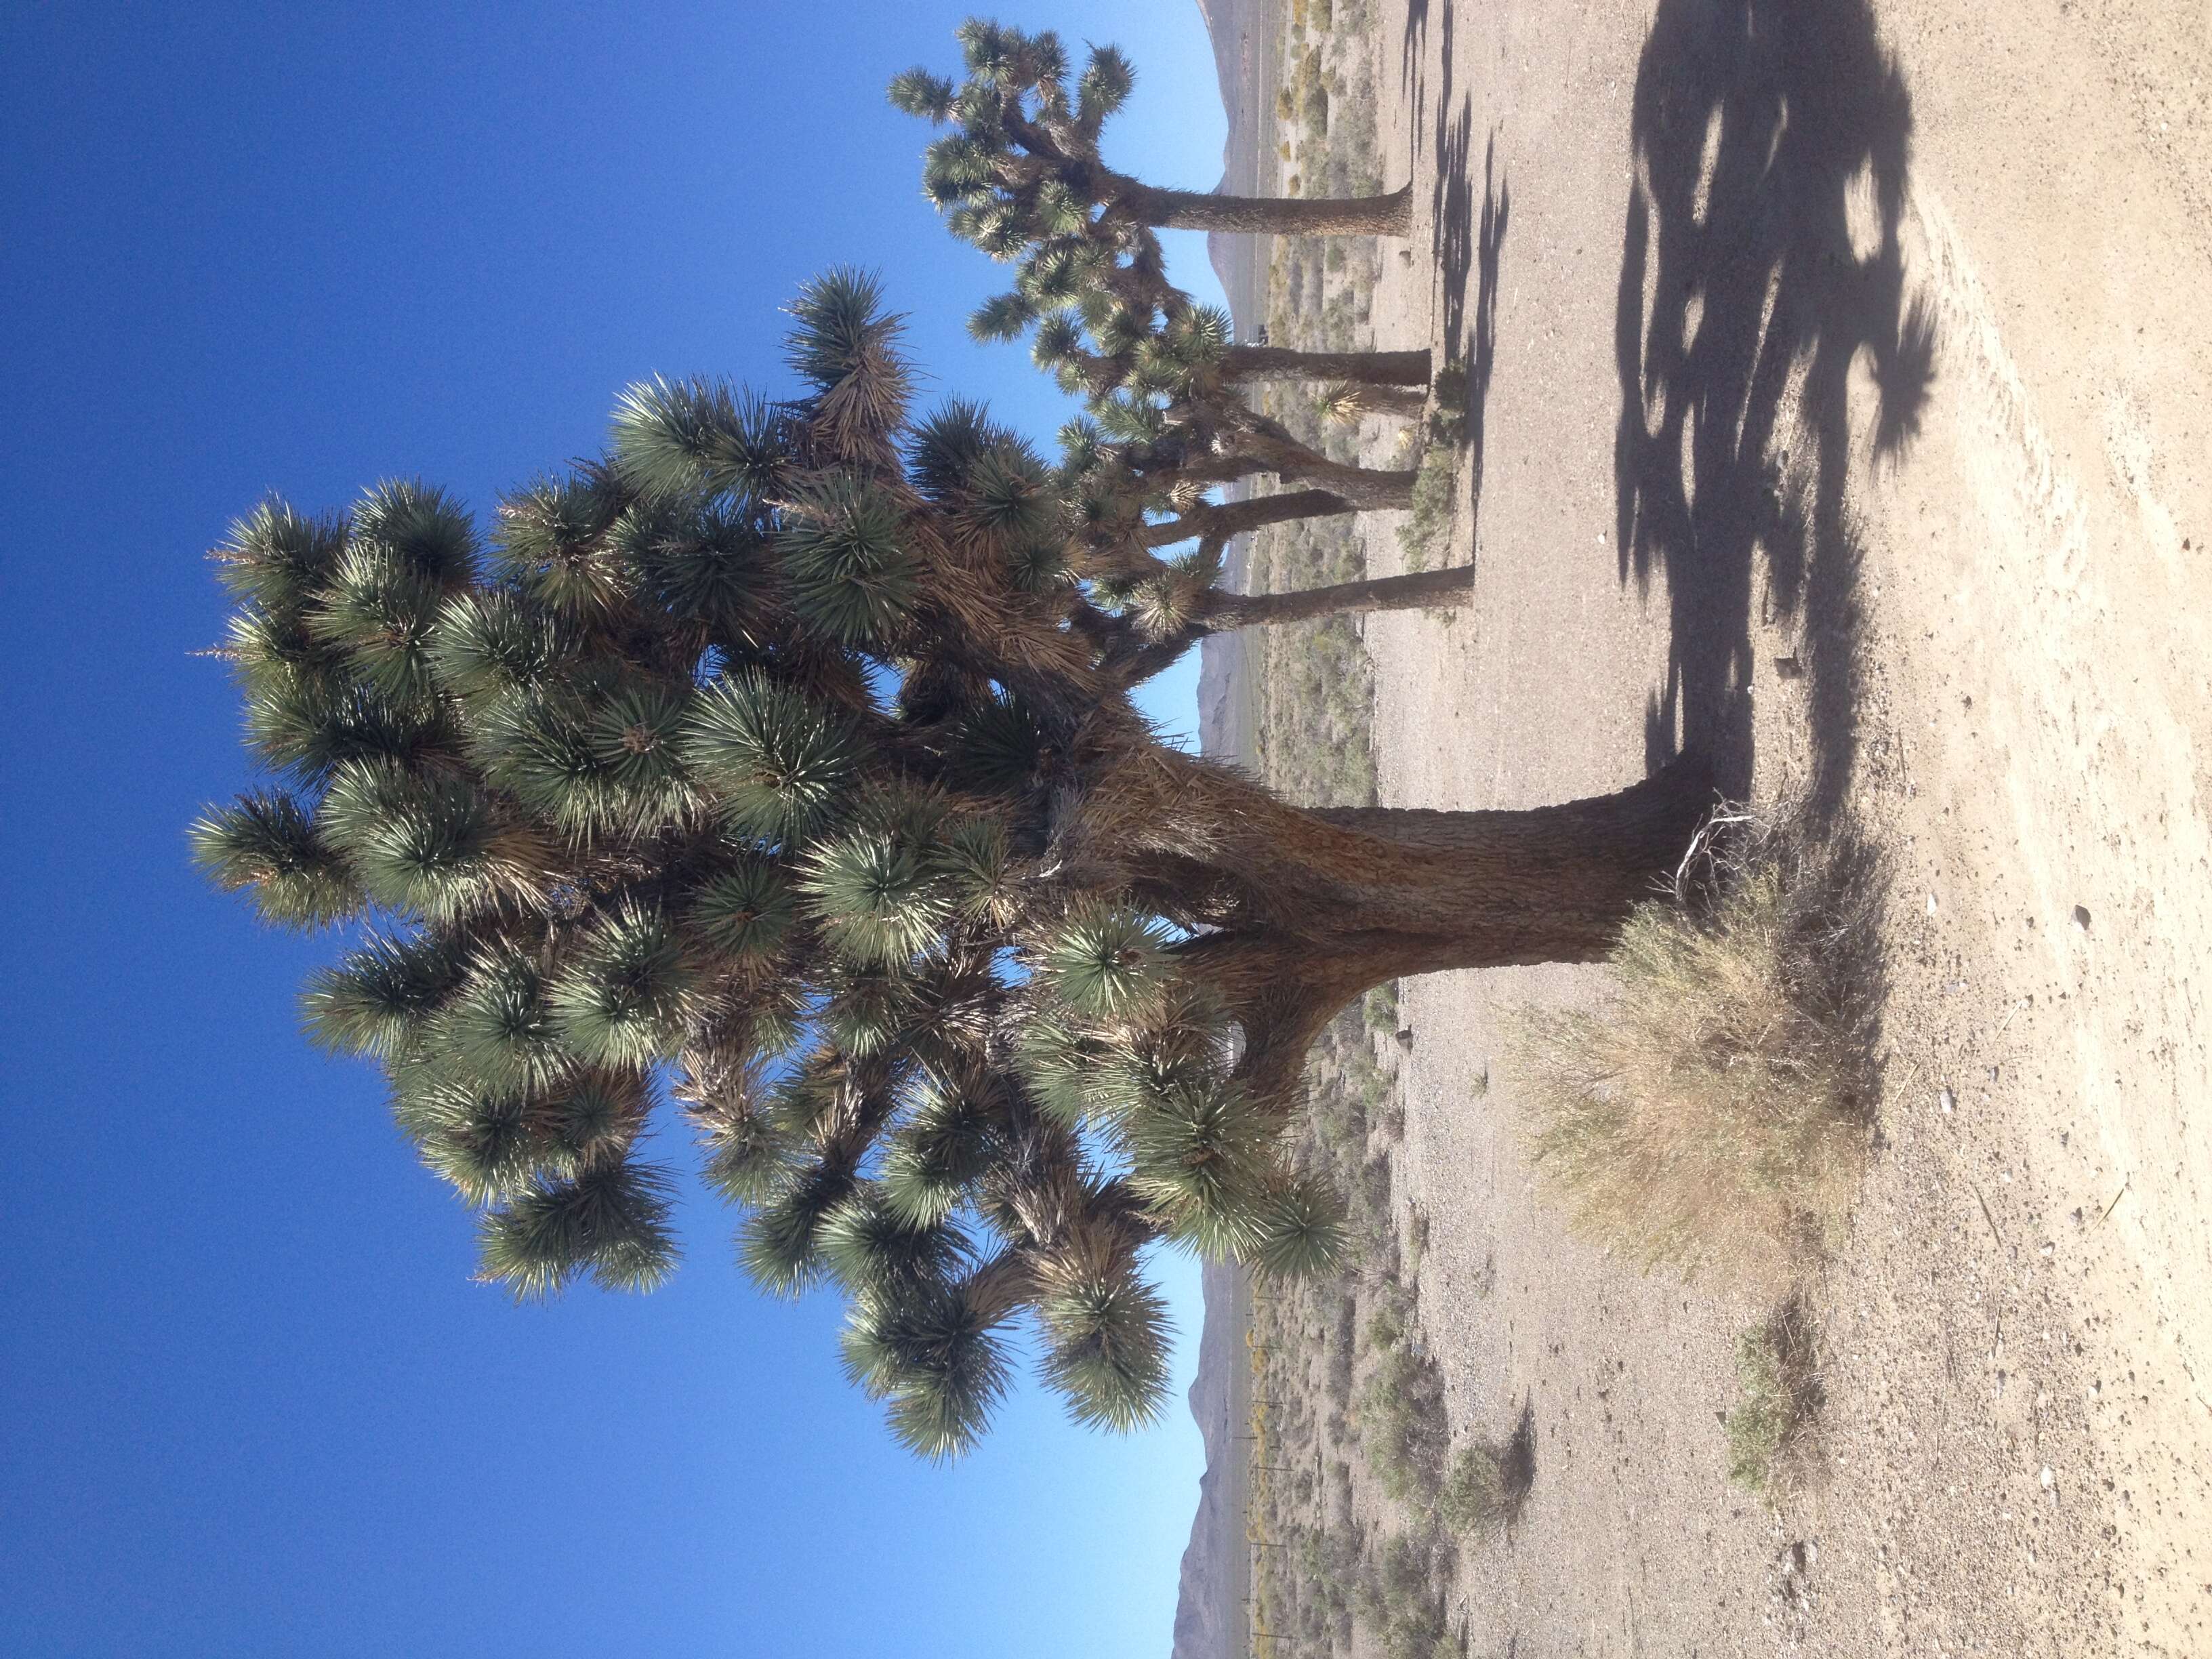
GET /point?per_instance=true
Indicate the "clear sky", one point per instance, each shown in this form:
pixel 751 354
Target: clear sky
pixel 250 1402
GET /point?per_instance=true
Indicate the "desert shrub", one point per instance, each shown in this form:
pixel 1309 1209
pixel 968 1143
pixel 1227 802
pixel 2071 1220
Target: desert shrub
pixel 1435 489
pixel 1399 1598
pixel 1379 1008
pixel 1313 108
pixel 1417 1240
pixel 1449 406
pixel 1777 1375
pixel 1402 1426
pixel 1341 1350
pixel 1367 1083
pixel 1387 1326
pixel 1715 1114
pixel 1374 1189
pixel 1479 1496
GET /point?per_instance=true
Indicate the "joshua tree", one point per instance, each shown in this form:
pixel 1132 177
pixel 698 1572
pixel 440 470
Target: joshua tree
pixel 1021 178
pixel 1152 386
pixel 1025 159
pixel 1131 498
pixel 767 765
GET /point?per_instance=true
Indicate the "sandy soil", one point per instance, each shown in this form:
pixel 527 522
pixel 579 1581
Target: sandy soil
pixel 1841 380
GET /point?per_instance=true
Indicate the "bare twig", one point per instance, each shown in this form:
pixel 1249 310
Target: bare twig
pixel 1987 1217
pixel 2117 1197
pixel 1700 842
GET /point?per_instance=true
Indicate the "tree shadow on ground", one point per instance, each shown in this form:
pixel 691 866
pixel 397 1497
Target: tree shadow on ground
pixel 1469 246
pixel 1411 52
pixel 1760 257
pixel 1519 1465
pixel 1451 199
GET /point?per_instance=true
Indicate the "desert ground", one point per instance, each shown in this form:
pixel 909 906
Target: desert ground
pixel 1838 379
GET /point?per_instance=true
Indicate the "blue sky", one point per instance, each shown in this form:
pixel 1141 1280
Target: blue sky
pixel 250 1402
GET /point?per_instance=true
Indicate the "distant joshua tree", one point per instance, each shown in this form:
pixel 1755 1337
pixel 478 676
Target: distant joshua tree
pixel 1025 155
pixel 1131 499
pixel 1020 176
pixel 772 765
pixel 1164 378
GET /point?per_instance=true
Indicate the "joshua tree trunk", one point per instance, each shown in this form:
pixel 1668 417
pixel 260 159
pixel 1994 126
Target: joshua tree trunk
pixel 1416 591
pixel 1363 487
pixel 1137 659
pixel 1341 901
pixel 1246 365
pixel 1270 215
pixel 1212 521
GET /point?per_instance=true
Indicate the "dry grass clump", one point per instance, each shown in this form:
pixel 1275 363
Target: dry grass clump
pixel 1716 1115
pixel 1770 1432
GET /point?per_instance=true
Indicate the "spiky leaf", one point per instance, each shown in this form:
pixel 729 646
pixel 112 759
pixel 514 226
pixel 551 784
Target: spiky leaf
pixel 610 1222
pixel 265 845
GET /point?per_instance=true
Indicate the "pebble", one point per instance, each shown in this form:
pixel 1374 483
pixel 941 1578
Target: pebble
pixel 2082 917
pixel 1946 1099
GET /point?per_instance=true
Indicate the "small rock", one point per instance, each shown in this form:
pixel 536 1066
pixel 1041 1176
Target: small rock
pixel 2049 1480
pixel 1406 1037
pixel 1931 904
pixel 1946 1100
pixel 1789 668
pixel 2082 917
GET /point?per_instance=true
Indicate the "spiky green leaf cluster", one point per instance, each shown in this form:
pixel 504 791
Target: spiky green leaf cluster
pixel 743 768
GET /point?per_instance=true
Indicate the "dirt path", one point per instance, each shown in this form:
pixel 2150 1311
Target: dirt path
pixel 1841 400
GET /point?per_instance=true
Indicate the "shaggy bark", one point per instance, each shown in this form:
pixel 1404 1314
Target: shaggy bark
pixel 1417 591
pixel 1256 450
pixel 1132 659
pixel 1267 215
pixel 1372 488
pixel 1344 900
pixel 1246 365
pixel 1212 521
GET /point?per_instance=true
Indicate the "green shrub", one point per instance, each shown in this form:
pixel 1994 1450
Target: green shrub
pixel 1479 1498
pixel 1402 1426
pixel 1436 492
pixel 1400 1600
pixel 1770 1431
pixel 1379 1009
